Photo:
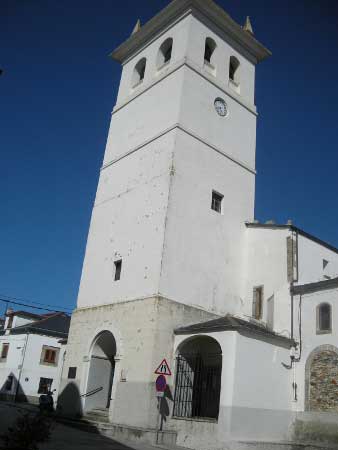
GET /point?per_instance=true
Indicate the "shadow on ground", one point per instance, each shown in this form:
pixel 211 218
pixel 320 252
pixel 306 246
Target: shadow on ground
pixel 64 437
pixel 68 437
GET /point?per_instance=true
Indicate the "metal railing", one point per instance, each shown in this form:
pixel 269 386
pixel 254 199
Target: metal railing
pixel 92 392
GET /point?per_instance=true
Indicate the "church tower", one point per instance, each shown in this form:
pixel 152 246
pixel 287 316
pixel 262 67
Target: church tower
pixel 176 187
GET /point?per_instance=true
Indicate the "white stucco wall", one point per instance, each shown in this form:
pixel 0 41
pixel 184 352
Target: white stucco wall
pixel 202 251
pixel 18 321
pixel 255 389
pixel 265 264
pixel 128 223
pixel 174 155
pixel 189 35
pixel 311 255
pixel 29 360
pixel 179 33
pixel 309 338
pixel 221 58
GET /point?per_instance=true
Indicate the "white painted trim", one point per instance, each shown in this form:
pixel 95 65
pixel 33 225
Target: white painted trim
pixel 148 141
pixel 190 133
pixel 218 150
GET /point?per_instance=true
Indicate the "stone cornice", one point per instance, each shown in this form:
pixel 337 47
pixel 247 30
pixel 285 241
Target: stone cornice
pixel 310 288
pixel 176 10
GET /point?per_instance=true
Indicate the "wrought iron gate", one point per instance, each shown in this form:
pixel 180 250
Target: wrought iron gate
pixel 198 385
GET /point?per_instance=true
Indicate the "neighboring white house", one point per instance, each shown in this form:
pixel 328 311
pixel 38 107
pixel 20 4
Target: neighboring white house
pixel 177 268
pixel 31 355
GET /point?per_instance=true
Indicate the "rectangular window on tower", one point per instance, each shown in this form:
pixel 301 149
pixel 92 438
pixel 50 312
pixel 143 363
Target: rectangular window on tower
pixel 118 268
pixel 217 202
pixel 257 304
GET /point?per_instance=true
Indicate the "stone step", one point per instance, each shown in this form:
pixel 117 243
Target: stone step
pixel 255 445
pixel 101 412
pixel 97 416
pixel 320 431
pixel 166 439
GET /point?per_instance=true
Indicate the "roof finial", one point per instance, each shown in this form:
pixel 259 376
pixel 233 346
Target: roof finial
pixel 247 26
pixel 137 27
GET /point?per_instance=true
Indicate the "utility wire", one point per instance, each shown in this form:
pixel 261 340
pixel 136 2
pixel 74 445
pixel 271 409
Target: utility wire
pixel 12 302
pixel 26 300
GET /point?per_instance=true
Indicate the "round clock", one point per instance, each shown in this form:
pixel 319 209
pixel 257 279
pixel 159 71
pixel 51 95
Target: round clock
pixel 221 107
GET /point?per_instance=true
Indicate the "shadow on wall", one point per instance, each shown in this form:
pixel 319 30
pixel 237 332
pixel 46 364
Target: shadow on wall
pixel 163 406
pixel 69 401
pixel 12 390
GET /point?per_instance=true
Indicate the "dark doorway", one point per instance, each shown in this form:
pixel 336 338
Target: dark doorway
pixel 198 379
pixel 101 372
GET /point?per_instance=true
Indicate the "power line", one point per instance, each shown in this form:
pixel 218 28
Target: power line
pixel 43 307
pixel 31 301
pixel 29 306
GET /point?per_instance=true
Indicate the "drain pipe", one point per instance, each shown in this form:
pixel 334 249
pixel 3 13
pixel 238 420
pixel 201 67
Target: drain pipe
pixel 21 369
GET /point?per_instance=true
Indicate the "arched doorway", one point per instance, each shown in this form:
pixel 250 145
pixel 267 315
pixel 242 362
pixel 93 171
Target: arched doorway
pixel 198 378
pixel 101 372
pixel 322 379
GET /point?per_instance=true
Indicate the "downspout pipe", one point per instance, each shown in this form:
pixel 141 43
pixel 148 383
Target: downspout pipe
pixel 21 369
pixel 294 249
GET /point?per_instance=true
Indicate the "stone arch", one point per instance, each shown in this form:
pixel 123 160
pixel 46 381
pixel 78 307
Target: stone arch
pixel 321 379
pixel 198 378
pixel 114 330
pixel 101 371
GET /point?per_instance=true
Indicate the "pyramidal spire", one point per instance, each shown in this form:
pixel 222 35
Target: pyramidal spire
pixel 247 26
pixel 137 27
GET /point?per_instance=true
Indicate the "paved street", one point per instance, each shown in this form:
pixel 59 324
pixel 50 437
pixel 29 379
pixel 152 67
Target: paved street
pixel 66 437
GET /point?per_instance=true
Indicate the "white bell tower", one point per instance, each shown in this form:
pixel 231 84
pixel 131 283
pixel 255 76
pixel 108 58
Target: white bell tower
pixel 182 136
pixel 176 186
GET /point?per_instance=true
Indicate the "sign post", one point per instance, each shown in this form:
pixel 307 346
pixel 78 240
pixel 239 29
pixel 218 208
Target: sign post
pixel 161 383
pixel 162 371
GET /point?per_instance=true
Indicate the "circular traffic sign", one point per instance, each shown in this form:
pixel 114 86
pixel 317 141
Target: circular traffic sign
pixel 161 383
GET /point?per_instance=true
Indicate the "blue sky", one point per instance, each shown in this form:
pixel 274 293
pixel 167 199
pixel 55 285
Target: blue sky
pixel 56 95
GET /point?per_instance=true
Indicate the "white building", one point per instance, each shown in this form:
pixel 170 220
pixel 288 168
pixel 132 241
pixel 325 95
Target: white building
pixel 176 266
pixel 31 355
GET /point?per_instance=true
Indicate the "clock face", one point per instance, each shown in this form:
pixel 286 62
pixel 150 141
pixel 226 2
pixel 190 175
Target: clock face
pixel 221 107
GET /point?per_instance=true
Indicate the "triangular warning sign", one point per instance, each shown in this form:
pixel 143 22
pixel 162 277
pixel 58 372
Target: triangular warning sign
pixel 163 368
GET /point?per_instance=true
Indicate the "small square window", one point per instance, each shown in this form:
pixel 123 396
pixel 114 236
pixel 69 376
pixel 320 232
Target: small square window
pixel 118 268
pixel 257 305
pixel 45 385
pixel 4 351
pixel 72 373
pixel 10 322
pixel 216 202
pixel 49 355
